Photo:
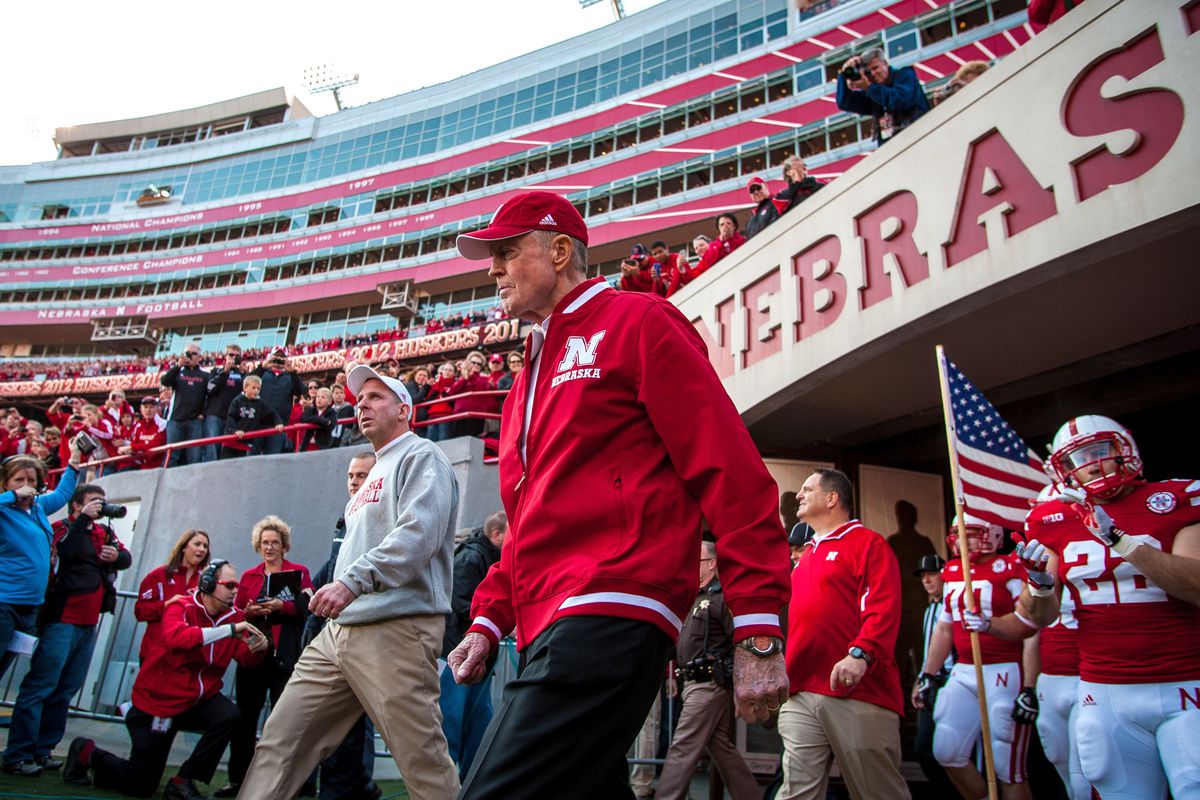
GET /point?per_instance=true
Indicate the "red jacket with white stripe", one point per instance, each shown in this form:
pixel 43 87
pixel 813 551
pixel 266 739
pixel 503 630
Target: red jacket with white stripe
pixel 180 670
pixel 846 593
pixel 631 438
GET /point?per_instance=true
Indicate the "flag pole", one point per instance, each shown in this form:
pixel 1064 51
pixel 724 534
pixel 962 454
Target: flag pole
pixel 968 593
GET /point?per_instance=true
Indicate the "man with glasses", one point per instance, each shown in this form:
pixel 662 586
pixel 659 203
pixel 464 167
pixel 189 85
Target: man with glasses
pixel 765 212
pixel 224 384
pixel 186 420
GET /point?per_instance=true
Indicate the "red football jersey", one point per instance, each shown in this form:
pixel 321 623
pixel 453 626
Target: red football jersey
pixel 1058 645
pixel 996 583
pixel 1130 631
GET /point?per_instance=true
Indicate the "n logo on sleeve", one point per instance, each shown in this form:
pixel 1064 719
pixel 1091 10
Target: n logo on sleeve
pixel 578 359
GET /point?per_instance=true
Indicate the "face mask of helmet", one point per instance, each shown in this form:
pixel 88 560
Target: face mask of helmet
pixel 1097 455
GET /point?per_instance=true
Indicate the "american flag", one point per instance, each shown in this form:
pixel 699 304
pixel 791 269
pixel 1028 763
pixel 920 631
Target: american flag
pixel 998 473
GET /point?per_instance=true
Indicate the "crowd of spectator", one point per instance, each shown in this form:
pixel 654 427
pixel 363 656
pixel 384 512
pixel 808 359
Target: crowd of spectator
pixel 25 370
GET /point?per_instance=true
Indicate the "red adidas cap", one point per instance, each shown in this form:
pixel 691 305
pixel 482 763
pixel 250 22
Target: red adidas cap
pixel 756 182
pixel 525 212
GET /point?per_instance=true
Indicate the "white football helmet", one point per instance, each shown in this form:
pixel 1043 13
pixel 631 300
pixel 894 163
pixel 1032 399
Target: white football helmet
pixel 1095 454
pixel 983 538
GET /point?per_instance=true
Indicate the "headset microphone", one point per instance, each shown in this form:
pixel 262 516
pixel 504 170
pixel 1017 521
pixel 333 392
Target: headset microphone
pixel 207 584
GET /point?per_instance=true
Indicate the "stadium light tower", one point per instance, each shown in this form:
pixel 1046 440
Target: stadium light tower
pixel 323 78
pixel 617 6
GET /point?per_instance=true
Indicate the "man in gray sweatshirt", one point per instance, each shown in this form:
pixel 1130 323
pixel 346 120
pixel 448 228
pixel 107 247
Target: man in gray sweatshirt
pixel 387 608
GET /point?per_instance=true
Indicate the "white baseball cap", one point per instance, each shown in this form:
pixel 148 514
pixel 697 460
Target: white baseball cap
pixel 362 373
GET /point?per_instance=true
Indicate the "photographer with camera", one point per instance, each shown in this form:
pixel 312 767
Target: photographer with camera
pixel 705 668
pixel 641 273
pixel 186 420
pixel 85 559
pixel 178 689
pixel 25 535
pixel 892 97
pixel 281 387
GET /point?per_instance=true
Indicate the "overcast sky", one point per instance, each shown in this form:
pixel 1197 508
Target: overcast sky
pixel 87 62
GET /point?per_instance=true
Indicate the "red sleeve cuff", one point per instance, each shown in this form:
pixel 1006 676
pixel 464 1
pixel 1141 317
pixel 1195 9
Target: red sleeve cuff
pixel 747 625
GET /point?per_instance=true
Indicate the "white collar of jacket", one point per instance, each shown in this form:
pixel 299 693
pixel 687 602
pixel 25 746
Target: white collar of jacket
pixel 836 533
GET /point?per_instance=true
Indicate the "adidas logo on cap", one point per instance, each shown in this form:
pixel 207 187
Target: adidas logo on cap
pixel 547 220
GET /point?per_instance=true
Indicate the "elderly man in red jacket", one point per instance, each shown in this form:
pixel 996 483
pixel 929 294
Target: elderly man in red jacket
pixel 179 688
pixel 605 480
pixel 845 685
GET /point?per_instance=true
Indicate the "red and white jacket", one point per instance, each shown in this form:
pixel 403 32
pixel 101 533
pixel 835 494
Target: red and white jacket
pixel 179 669
pixel 631 437
pixel 157 588
pixel 846 590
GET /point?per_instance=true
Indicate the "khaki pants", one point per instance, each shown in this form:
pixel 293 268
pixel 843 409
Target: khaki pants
pixel 863 737
pixel 389 670
pixel 706 724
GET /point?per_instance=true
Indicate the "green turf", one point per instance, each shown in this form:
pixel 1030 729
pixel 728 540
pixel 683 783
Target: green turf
pixel 50 785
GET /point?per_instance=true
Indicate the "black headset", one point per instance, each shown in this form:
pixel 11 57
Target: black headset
pixel 208 579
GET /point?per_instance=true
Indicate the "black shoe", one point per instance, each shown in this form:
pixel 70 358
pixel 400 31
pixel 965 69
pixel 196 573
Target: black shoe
pixel 75 772
pixel 372 791
pixel 228 790
pixel 49 762
pixel 183 791
pixel 26 769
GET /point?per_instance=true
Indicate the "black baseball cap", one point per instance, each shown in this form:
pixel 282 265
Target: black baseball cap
pixel 933 563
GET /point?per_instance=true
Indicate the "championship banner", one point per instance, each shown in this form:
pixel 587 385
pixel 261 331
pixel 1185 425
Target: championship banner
pixel 421 347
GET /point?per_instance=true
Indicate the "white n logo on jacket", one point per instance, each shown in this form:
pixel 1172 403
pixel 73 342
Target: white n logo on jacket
pixel 580 352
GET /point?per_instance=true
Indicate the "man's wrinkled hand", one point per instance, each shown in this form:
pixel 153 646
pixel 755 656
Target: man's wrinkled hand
pixel 469 660
pixel 760 685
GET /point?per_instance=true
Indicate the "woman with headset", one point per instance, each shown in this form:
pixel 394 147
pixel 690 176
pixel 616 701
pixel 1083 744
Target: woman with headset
pixel 25 537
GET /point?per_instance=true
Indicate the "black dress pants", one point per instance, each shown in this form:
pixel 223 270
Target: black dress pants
pixel 140 775
pixel 253 684
pixel 566 722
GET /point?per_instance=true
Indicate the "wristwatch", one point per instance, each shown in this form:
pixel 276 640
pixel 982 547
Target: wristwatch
pixel 858 652
pixel 762 646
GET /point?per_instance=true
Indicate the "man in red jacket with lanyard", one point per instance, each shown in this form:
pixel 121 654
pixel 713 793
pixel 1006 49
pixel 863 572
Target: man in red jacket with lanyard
pixel 179 688
pixel 604 482
pixel 846 701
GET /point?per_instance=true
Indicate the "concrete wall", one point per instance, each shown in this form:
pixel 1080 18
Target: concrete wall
pixel 307 490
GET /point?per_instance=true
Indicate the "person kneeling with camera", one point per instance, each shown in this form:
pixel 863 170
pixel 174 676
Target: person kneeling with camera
pixel 84 562
pixel 705 656
pixel 178 688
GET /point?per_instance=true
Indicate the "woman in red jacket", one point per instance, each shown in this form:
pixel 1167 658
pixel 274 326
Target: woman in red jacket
pixel 281 617
pixel 442 387
pixel 472 379
pixel 170 583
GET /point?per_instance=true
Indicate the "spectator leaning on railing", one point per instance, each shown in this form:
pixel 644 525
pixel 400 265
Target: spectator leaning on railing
pixel 248 413
pixel 148 432
pixel 86 558
pixel 321 414
pixel 800 185
pixel 280 387
pixel 892 97
pixel 765 211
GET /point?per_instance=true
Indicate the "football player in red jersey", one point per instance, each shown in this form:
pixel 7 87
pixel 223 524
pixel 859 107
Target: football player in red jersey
pixel 997 582
pixel 1127 552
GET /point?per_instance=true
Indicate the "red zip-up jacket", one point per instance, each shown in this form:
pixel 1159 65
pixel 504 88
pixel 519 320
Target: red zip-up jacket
pixel 179 670
pixel 631 439
pixel 157 588
pixel 846 587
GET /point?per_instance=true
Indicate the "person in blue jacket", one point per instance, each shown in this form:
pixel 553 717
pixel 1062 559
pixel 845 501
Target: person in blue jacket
pixel 25 541
pixel 894 98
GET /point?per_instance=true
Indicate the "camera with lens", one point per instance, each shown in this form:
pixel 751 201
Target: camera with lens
pixel 852 73
pixel 85 443
pixel 113 511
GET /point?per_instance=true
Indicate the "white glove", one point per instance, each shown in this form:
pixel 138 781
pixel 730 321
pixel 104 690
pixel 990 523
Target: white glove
pixel 976 622
pixel 1035 559
pixel 1099 523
